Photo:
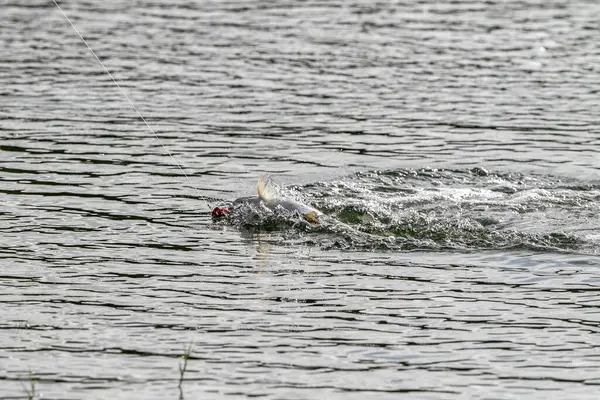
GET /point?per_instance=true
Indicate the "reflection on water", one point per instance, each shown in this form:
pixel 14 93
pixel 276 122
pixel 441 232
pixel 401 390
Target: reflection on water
pixel 453 148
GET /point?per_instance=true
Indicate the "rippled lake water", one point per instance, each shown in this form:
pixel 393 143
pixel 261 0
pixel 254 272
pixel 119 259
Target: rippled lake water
pixel 453 147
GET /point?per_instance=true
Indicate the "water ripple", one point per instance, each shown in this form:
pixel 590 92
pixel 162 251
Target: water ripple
pixel 453 147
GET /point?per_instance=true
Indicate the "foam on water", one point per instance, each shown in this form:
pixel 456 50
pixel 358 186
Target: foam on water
pixel 440 209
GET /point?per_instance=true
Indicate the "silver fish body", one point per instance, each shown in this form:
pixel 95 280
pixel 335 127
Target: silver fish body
pixel 309 213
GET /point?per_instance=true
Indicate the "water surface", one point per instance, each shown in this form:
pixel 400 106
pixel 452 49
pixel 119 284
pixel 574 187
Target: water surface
pixel 452 146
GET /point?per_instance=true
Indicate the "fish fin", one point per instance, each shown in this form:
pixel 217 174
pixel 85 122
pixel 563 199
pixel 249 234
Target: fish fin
pixel 312 217
pixel 267 189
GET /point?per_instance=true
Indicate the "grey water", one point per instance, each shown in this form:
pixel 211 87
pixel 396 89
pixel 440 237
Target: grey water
pixel 452 146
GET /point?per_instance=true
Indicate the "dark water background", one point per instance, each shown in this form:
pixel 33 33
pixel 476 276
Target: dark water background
pixel 454 147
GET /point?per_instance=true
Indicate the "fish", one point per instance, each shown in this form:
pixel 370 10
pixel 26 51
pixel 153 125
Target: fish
pixel 269 197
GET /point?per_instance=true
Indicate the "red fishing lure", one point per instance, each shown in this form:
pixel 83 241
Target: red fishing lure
pixel 219 212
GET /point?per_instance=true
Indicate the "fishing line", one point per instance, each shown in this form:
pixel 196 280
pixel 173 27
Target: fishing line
pixel 129 100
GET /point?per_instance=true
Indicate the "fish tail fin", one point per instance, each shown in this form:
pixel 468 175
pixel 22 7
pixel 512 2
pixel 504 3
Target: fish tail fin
pixel 312 217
